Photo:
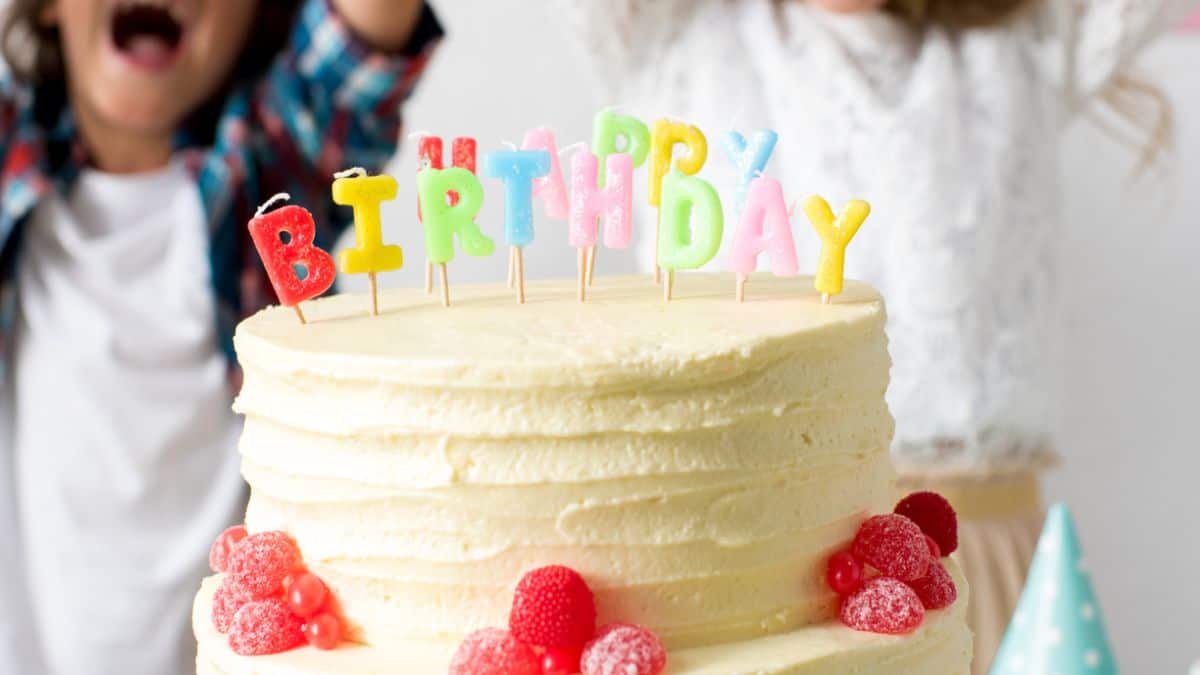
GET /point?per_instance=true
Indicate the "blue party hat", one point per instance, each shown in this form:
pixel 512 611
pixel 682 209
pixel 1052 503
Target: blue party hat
pixel 1057 628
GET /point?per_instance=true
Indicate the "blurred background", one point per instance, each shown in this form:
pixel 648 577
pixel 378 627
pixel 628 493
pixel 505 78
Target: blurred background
pixel 1131 457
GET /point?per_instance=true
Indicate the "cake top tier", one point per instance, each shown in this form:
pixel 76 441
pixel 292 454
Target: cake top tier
pixel 624 331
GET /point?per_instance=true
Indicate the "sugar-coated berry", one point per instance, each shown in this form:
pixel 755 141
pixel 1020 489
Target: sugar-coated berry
pixel 494 651
pixel 261 561
pixel 553 607
pixel 265 627
pixel 323 631
pixel 935 551
pixel 218 555
pixel 935 516
pixel 305 593
pixel 894 545
pixel 623 649
pixel 227 600
pixel 883 605
pixel 561 660
pixel 844 573
pixel 936 589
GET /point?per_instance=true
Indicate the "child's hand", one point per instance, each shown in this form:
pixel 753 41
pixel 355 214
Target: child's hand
pixel 848 6
pixel 385 24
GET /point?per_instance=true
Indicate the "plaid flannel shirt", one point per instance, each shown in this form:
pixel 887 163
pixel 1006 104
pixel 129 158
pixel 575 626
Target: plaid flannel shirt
pixel 328 101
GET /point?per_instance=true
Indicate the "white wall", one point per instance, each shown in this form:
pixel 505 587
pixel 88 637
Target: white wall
pixel 1132 456
pixel 1131 459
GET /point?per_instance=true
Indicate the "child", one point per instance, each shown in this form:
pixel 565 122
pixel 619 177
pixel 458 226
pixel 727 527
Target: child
pixel 138 138
pixel 945 115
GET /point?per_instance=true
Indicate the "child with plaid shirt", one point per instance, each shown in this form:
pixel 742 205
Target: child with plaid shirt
pixel 138 138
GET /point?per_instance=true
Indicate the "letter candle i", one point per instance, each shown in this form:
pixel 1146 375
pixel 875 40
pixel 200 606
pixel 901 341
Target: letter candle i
pixel 370 255
pixel 835 234
pixel 518 169
pixel 663 139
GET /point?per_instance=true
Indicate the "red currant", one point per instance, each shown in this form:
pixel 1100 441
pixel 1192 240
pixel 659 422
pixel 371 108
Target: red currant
pixel 305 594
pixel 323 631
pixel 561 661
pixel 844 574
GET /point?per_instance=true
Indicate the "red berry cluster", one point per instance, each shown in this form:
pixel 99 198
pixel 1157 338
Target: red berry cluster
pixel 552 631
pixel 268 603
pixel 892 572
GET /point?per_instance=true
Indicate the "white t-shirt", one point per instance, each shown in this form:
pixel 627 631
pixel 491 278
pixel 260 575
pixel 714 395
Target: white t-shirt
pixel 952 137
pixel 124 441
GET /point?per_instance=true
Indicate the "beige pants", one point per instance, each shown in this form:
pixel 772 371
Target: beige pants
pixel 999 522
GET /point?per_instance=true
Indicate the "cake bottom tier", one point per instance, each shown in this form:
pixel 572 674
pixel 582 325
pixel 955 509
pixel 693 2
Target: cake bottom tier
pixel 941 646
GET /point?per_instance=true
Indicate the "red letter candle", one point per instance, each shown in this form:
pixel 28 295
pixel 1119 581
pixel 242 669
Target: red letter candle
pixel 284 239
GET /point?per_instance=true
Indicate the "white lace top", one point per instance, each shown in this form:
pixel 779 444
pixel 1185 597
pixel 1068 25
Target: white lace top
pixel 953 139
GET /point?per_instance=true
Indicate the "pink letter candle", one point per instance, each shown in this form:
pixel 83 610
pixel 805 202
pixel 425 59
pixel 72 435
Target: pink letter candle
pixel 764 226
pixel 590 204
pixel 549 188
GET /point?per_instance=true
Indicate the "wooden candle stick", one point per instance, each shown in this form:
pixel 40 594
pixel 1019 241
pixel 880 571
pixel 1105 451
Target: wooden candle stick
pixel 519 272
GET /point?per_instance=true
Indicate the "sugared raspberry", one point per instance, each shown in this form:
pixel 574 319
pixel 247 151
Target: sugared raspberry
pixel 305 593
pixel 936 589
pixel 260 562
pixel 561 661
pixel 894 545
pixel 553 607
pixel 883 605
pixel 844 573
pixel 226 602
pixel 323 631
pixel 218 555
pixel 935 551
pixel 623 649
pixel 265 627
pixel 935 516
pixel 494 651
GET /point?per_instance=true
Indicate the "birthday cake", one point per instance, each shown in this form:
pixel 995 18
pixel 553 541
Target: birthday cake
pixel 695 467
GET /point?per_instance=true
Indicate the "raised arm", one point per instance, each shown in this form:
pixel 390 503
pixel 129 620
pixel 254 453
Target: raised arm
pixel 384 24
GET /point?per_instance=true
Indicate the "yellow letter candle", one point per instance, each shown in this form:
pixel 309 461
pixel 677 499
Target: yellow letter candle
pixel 835 234
pixel 692 224
pixel 370 255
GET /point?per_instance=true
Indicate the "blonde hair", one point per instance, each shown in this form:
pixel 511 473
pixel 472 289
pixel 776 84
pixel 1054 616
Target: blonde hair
pixel 1133 111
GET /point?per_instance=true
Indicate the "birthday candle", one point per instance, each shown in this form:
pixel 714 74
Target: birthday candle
pixel 282 260
pixel 444 221
pixel 550 188
pixel 764 226
pixel 749 159
pixel 589 204
pixel 665 136
pixel 613 133
pixel 370 255
pixel 835 234
pixel 692 225
pixel 518 169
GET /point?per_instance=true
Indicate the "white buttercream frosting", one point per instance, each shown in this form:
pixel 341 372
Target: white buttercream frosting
pixel 696 461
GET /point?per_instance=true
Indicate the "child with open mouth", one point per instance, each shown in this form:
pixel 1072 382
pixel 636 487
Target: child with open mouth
pixel 137 138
